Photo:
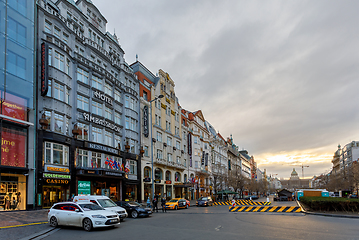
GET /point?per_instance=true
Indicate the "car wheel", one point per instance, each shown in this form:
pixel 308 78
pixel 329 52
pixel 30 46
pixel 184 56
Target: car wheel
pixel 87 224
pixel 134 214
pixel 176 207
pixel 53 222
pixel 187 206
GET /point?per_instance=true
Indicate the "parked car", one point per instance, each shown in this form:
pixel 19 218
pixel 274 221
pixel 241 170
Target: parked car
pixel 134 209
pixel 84 214
pixel 105 202
pixel 353 196
pixel 176 203
pixel 253 197
pixel 204 201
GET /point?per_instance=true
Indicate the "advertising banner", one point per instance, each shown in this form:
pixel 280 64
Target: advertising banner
pixel 84 188
pixel 13 146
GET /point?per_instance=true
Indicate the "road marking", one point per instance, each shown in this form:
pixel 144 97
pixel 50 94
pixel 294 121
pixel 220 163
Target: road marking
pixel 22 225
pixel 217 228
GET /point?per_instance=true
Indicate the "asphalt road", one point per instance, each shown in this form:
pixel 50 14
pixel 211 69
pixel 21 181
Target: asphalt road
pixel 218 223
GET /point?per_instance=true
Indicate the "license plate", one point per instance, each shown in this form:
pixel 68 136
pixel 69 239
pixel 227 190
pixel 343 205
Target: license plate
pixel 113 220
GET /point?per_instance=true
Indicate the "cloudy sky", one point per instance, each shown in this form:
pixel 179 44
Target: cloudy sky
pixel 281 76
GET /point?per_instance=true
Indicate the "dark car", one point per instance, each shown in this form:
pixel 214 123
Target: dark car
pixel 134 209
pixel 204 201
pixel 253 197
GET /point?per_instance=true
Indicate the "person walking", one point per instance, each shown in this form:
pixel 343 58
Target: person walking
pixel 154 204
pixel 163 204
pixel 148 202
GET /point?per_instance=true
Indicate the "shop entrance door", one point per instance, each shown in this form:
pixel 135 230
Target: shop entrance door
pixel 53 194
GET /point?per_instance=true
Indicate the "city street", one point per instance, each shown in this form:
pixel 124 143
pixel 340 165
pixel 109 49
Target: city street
pixel 218 223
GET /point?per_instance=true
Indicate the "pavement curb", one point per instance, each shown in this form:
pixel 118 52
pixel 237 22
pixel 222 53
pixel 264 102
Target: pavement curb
pixel 324 214
pixel 41 235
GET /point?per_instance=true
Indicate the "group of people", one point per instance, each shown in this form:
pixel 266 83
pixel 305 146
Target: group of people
pixel 155 203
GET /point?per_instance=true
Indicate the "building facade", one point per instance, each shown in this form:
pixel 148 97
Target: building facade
pixel 17 117
pixel 88 131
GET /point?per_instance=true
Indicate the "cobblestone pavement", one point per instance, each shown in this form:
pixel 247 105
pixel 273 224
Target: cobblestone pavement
pixel 16 218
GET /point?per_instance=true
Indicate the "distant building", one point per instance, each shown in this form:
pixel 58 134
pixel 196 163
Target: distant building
pixel 295 182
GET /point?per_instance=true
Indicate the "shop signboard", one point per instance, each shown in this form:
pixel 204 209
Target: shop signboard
pixel 168 182
pixel 13 146
pixel 147 179
pixel 84 188
pixel 145 121
pixel 157 180
pixel 56 168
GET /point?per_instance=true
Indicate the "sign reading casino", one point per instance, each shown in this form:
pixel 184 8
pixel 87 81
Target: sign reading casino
pixel 101 122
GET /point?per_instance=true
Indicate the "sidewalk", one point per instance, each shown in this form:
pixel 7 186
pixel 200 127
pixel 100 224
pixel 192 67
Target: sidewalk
pixel 19 218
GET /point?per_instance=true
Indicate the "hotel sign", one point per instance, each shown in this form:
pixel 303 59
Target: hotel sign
pixel 103 97
pixel 101 122
pixel 103 148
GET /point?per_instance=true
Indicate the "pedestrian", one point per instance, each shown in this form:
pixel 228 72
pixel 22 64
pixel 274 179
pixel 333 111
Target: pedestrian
pixel 154 204
pixel 163 204
pixel 148 202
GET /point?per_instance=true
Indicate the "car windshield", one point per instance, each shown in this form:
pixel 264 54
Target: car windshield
pixel 90 207
pixel 134 204
pixel 173 200
pixel 203 199
pixel 106 203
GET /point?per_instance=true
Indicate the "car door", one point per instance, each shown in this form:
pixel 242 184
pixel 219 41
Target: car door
pixel 61 213
pixel 182 203
pixel 74 217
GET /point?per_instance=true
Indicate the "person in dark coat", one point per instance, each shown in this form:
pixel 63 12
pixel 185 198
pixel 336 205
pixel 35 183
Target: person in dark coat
pixel 163 204
pixel 154 204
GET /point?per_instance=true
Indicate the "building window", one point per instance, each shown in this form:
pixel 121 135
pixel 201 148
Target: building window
pixel 16 64
pixel 108 89
pixel 48 118
pixel 59 62
pixel 108 138
pixel 159 137
pixel 56 153
pixel 58 91
pixel 127 123
pixel 117 118
pixel 132 146
pixel 159 154
pixel 97 82
pixel 108 113
pixel 67 95
pixel 117 141
pixel 59 123
pixel 178 159
pixel 169 141
pixel 133 124
pixel 83 103
pixel 96 161
pixel 117 96
pixel 145 148
pixel 145 95
pixel 82 158
pixel 48 26
pixel 133 167
pixel 16 31
pixel 57 32
pixel 127 101
pixel 97 108
pixel 178 145
pixel 169 157
pixel 84 131
pixel 82 75
pixel 96 134
pixel 67 69
pixel 48 94
pixel 65 38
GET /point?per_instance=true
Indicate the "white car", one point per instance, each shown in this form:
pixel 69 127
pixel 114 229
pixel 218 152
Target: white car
pixel 84 214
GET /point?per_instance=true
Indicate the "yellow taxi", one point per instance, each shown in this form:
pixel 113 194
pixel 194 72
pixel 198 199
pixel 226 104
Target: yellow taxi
pixel 176 203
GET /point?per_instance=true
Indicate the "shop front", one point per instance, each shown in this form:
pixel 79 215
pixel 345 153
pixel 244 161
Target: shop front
pixel 182 190
pixel 168 193
pixel 55 186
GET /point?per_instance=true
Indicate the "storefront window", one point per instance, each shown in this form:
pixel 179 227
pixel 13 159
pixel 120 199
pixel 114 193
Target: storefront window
pixel 131 193
pixel 56 153
pixel 147 172
pixel 158 174
pixel 96 160
pixel 13 145
pixel 12 192
pixel 168 175
pixel 82 158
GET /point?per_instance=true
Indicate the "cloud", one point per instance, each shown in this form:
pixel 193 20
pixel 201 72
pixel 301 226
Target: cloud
pixel 281 76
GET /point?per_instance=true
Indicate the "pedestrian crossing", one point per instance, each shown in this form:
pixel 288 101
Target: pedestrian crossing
pixel 281 209
pixel 242 202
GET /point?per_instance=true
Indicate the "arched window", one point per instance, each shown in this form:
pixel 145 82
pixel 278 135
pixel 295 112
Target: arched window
pixel 177 177
pixel 168 176
pixel 147 172
pixel 185 178
pixel 158 174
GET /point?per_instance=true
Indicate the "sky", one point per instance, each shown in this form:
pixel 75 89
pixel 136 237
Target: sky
pixel 281 77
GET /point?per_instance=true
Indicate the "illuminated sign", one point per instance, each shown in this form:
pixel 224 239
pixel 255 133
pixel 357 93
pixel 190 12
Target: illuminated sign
pixel 168 182
pixel 57 169
pixel 44 69
pixel 13 146
pixel 103 148
pixel 58 176
pixel 145 121
pixel 56 181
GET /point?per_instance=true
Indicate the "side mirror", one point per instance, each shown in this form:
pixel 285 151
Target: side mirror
pixel 77 210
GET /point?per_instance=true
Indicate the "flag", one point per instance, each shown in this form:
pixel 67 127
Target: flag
pixel 115 164
pixel 91 163
pixel 108 162
pixel 127 166
pixel 112 163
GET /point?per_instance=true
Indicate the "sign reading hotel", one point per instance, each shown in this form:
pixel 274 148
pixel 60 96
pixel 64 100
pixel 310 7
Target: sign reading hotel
pixel 103 148
pixel 101 122
pixel 103 97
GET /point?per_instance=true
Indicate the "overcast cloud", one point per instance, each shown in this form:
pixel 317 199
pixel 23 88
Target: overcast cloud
pixel 280 76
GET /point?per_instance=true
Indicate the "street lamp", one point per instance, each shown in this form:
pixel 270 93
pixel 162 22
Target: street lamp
pixel 153 178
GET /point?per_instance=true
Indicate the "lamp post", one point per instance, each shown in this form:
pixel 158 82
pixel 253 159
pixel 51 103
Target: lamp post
pixel 153 178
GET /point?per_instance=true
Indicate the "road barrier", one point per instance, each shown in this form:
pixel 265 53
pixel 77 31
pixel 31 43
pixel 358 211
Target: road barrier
pixel 241 202
pixel 266 209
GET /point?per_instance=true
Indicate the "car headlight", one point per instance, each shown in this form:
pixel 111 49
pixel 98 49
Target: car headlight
pixel 98 216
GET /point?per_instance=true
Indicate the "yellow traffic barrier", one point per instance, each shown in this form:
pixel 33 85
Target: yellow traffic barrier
pixel 242 202
pixel 281 209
